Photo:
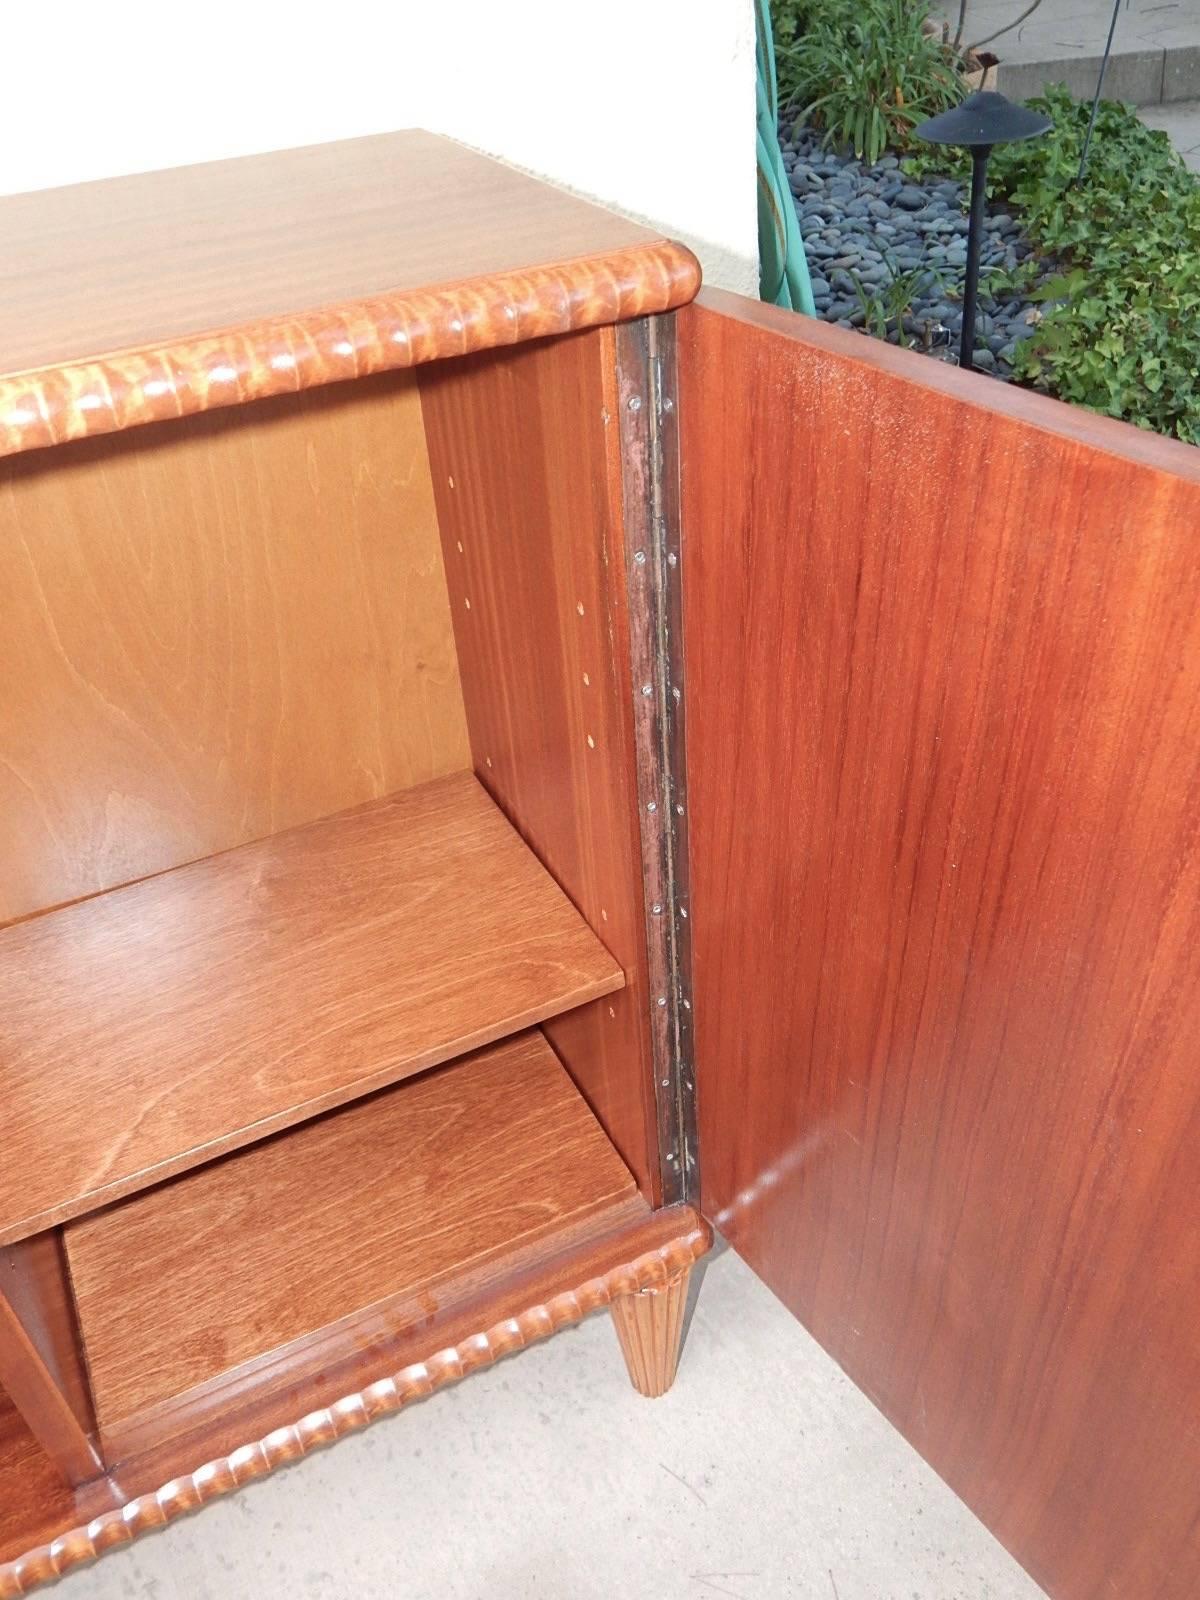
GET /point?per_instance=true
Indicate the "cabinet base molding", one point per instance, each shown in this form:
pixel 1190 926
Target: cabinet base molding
pixel 658 1273
pixel 649 1328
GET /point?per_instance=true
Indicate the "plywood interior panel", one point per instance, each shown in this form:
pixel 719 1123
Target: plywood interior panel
pixel 524 454
pixel 155 1027
pixel 396 1196
pixel 943 647
pixel 213 629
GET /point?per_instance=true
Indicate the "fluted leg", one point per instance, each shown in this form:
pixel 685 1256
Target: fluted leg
pixel 649 1326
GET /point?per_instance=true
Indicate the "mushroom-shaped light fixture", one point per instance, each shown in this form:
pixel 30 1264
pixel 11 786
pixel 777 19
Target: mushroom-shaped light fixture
pixel 981 122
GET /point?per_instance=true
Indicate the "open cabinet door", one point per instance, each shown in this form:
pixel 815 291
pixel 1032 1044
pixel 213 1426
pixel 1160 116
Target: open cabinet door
pixel 943 698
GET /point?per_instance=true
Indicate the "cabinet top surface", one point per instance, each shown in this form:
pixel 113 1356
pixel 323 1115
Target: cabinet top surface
pixel 141 298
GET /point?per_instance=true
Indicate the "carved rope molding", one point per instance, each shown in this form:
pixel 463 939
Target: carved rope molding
pixel 654 1270
pixel 348 340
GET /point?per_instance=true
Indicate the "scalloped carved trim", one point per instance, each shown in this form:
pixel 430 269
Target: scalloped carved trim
pixel 657 1269
pixel 348 340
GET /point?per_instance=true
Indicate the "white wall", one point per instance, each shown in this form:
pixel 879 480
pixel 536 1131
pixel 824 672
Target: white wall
pixel 648 107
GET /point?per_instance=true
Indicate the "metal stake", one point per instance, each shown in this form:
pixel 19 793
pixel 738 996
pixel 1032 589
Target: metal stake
pixel 1087 138
pixel 979 161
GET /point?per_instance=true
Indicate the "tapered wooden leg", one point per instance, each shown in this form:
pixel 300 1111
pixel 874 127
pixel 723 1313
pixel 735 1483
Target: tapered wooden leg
pixel 649 1326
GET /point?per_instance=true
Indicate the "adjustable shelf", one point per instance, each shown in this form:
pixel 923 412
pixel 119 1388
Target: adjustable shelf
pixel 390 1203
pixel 163 1024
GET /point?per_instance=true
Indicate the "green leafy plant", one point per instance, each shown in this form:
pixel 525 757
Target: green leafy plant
pixel 788 20
pixel 1120 329
pixel 885 308
pixel 866 71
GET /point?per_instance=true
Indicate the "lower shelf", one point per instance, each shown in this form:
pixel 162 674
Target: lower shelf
pixel 376 1212
pixel 45 1530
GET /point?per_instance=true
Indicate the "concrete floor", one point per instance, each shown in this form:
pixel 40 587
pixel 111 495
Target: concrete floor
pixel 1181 122
pixel 763 1474
pixel 1155 56
pixel 1065 28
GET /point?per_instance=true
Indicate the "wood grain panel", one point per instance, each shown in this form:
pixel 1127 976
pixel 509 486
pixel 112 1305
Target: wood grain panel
pixel 214 630
pixel 645 1251
pixel 524 453
pixel 142 298
pixel 392 1197
pixel 41 1361
pixel 156 1027
pixel 944 757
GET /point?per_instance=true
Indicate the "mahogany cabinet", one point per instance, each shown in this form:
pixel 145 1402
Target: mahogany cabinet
pixel 502 761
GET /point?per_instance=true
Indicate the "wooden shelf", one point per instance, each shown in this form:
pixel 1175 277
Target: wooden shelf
pixel 524 1296
pixel 386 1200
pixel 153 1028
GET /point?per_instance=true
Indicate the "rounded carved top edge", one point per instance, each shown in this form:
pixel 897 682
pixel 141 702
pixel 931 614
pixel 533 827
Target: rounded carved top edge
pixel 280 355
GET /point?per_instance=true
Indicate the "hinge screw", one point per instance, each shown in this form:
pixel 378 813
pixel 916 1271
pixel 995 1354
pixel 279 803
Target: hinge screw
pixel 668 403
pixel 640 557
pixel 647 688
pixel 635 402
pixel 651 805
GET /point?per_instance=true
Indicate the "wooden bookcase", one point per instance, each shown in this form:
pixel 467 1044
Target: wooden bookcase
pixel 500 763
pixel 327 1039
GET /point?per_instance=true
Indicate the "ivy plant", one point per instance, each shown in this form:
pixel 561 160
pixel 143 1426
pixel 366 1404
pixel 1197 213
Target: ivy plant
pixel 1120 329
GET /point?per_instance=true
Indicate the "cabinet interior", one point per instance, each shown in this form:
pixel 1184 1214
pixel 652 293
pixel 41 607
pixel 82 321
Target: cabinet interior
pixel 320 881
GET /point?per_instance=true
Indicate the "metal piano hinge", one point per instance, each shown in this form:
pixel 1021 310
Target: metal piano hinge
pixel 654 567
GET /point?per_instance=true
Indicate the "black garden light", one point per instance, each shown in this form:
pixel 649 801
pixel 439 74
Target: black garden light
pixel 982 121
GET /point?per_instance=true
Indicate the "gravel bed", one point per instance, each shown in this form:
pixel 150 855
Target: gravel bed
pixel 864 225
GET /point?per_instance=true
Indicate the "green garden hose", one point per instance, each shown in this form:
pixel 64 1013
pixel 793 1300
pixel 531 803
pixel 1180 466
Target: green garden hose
pixel 782 266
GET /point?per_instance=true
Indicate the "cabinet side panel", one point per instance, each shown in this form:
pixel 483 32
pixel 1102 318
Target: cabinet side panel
pixel 36 1501
pixel 943 650
pixel 34 1280
pixel 213 629
pixel 524 454
pixel 41 1359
